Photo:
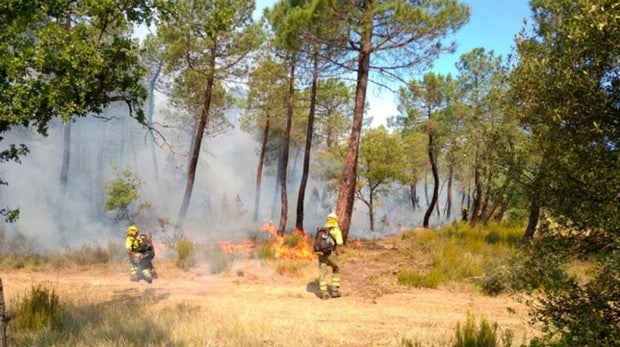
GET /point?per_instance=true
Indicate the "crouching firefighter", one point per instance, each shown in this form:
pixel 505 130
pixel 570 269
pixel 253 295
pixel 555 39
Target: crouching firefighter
pixel 141 254
pixel 326 243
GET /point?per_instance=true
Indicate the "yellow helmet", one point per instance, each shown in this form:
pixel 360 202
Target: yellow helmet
pixel 132 231
pixel 332 216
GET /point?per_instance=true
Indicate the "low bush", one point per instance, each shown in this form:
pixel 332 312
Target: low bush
pixel 39 309
pixel 185 250
pixel 483 335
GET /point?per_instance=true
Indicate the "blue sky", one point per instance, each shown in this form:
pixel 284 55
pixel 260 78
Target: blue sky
pixel 492 25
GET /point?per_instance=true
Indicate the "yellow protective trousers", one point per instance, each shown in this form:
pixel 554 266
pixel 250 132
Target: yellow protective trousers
pixel 327 261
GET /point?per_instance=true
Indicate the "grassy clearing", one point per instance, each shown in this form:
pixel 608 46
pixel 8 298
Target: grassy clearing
pixel 456 253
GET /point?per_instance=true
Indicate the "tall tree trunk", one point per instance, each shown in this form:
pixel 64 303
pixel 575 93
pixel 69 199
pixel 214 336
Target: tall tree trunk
pixel 484 208
pixel 64 181
pixel 276 190
pixel 346 193
pixel 259 169
pixel 435 171
pixel 197 144
pixel 299 222
pixel 413 195
pixel 533 218
pixel 448 209
pixel 285 148
pixel 477 198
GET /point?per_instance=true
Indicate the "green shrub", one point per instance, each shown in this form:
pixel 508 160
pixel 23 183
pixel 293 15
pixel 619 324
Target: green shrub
pixel 38 310
pixel 185 250
pixel 265 252
pixel 414 278
pixel 485 335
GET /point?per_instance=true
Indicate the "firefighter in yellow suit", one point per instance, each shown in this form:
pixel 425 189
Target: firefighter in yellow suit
pixel 330 260
pixel 132 242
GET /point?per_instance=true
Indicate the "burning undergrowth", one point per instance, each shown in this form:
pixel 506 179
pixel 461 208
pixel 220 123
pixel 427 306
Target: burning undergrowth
pixel 294 246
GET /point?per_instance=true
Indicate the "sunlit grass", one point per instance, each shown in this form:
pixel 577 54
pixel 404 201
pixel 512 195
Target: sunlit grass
pixel 456 252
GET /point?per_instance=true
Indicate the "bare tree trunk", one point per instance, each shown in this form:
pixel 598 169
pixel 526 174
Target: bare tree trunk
pixel 532 220
pixel 299 222
pixel 346 193
pixel 435 171
pixel 3 318
pixel 448 208
pixel 197 144
pixel 259 169
pixel 478 191
pixel 285 149
pixel 413 195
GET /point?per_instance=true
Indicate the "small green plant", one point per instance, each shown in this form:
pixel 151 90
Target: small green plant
pixel 417 279
pixel 265 252
pixel 292 240
pixel 122 192
pixel 484 335
pixel 39 309
pixel 185 250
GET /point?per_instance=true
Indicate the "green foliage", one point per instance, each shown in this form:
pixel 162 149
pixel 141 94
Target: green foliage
pixel 458 252
pixel 265 252
pixel 581 314
pixel 40 309
pixel 185 254
pixel 122 192
pixel 292 240
pixel 483 335
pixel 414 278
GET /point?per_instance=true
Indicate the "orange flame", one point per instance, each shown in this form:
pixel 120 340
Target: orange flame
pixel 295 246
pixel 244 247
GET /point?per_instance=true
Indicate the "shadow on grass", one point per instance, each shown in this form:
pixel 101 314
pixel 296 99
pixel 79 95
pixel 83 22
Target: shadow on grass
pixel 313 287
pixel 125 320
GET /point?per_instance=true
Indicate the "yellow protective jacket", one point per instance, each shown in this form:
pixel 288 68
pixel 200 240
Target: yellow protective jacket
pixel 334 230
pixel 131 243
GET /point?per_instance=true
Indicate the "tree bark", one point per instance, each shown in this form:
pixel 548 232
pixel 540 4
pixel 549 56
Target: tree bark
pixel 478 191
pixel 435 171
pixel 285 149
pixel 259 169
pixel 196 146
pixel 448 209
pixel 346 193
pixel 299 222
pixel 412 194
pixel 532 220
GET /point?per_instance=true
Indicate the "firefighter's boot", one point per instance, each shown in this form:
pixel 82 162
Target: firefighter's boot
pixel 336 293
pixel 324 295
pixel 146 274
pixel 153 273
pixel 134 275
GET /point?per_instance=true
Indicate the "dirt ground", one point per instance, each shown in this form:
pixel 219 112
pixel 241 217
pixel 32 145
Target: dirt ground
pixel 373 311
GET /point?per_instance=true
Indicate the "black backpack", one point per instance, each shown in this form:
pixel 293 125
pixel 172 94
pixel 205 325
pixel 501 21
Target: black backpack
pixel 323 241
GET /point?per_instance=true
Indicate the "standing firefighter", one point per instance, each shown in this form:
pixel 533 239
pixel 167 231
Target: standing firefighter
pixel 141 254
pixel 328 238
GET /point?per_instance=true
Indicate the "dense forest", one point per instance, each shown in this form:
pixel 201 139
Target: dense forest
pixel 216 122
